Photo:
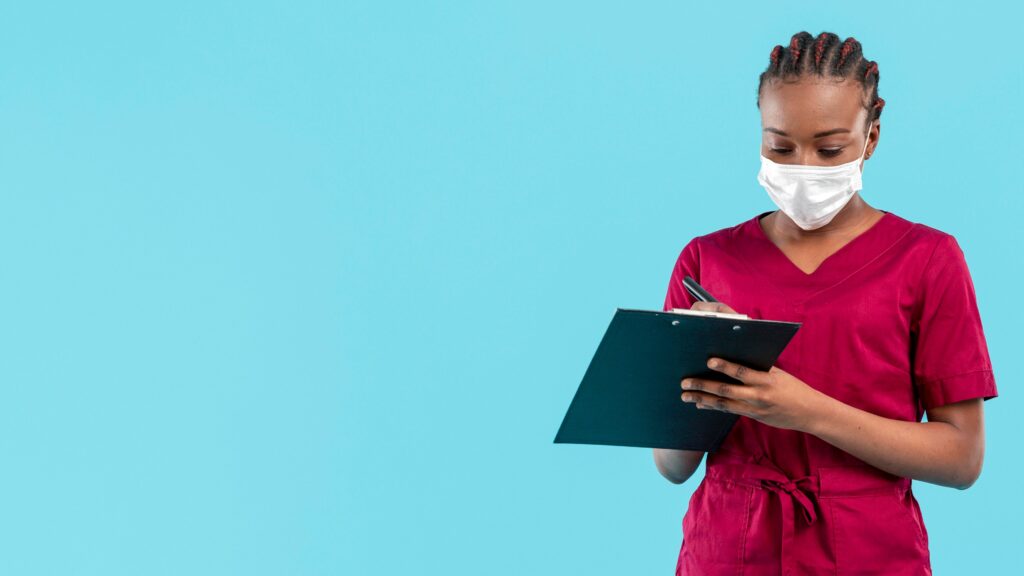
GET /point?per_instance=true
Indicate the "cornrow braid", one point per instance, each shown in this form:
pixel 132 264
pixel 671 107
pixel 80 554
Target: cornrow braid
pixel 825 49
pixel 791 59
pixel 848 45
pixel 819 49
pixel 832 58
pixel 776 52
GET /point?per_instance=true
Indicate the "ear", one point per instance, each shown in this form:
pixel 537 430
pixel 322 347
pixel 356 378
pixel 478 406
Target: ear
pixel 873 133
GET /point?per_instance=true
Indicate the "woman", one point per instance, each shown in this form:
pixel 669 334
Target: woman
pixel 815 477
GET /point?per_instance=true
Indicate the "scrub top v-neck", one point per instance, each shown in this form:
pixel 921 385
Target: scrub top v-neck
pixel 890 325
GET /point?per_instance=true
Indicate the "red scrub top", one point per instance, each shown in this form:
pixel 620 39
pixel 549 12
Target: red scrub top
pixel 891 326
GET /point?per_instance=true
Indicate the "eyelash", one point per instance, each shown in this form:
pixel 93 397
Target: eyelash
pixel 829 152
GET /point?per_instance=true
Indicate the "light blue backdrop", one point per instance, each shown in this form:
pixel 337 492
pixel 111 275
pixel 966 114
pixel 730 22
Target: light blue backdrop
pixel 306 287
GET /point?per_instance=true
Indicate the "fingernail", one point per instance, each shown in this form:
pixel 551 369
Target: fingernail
pixel 712 363
pixel 686 384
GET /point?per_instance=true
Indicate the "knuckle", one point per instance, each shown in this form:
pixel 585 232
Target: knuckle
pixel 723 389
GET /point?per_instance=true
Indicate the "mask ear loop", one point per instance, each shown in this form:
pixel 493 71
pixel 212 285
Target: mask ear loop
pixel 867 138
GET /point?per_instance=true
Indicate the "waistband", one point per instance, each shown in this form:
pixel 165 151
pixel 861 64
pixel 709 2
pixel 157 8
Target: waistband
pixel 802 491
pixel 824 482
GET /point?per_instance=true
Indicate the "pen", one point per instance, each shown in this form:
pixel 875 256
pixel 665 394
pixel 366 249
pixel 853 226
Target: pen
pixel 697 291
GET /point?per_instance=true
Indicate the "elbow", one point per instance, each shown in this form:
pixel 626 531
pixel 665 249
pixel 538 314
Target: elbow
pixel 965 484
pixel 667 474
pixel 969 473
pixel 676 466
pixel 673 479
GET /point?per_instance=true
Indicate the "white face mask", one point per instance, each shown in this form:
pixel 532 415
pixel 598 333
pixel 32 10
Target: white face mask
pixel 811 195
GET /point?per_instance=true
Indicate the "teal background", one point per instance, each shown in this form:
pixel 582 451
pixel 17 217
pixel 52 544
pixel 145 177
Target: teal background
pixel 306 287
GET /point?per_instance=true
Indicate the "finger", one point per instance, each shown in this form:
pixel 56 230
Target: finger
pixel 718 388
pixel 712 307
pixel 738 371
pixel 707 401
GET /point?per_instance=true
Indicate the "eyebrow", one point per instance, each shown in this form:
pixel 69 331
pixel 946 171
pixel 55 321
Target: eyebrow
pixel 818 135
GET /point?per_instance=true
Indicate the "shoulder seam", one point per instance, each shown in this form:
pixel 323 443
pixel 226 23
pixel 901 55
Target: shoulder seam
pixel 920 279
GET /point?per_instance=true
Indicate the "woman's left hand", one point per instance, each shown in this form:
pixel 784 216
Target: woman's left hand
pixel 775 397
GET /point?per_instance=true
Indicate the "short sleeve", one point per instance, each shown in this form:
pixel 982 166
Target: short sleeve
pixel 687 264
pixel 950 357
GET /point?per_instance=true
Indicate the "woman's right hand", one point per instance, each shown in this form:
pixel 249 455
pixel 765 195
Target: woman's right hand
pixel 713 307
pixel 678 465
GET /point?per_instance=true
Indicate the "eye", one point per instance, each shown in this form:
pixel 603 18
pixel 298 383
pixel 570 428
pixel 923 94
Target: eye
pixel 831 152
pixel 781 150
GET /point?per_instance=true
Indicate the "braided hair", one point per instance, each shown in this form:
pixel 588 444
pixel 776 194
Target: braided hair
pixel 825 56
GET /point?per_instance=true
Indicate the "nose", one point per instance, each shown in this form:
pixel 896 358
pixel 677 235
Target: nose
pixel 809 158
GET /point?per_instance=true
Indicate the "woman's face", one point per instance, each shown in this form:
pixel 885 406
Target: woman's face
pixel 815 122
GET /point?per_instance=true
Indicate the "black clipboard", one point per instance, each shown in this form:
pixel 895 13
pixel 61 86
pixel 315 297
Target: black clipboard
pixel 630 393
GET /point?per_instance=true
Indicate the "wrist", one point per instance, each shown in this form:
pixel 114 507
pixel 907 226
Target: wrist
pixel 820 412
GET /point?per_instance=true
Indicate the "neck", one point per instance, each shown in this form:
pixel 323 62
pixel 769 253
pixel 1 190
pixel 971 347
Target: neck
pixel 851 217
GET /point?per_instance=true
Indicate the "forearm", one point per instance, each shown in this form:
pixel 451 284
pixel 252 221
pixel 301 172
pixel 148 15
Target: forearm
pixel 677 465
pixel 935 452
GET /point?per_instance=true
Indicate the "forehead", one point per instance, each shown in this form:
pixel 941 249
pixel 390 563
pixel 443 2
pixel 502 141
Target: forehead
pixel 812 105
